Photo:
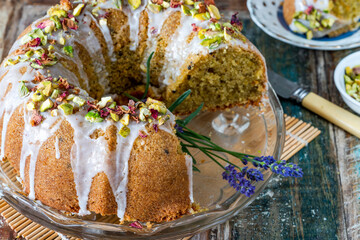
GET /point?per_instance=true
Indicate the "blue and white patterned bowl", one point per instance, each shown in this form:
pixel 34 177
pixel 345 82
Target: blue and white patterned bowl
pixel 267 14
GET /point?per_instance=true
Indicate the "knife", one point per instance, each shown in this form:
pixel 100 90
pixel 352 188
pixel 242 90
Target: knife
pixel 331 112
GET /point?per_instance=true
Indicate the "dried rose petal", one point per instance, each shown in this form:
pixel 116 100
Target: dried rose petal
pixel 62 96
pixel 141 134
pixel 35 42
pixel 235 21
pixel 175 3
pixel 136 225
pixel 64 83
pixel 104 113
pixel 156 127
pixel 356 70
pixel 36 118
pixel 154 113
pixel 209 2
pixel 309 10
pixel 195 28
pixel 158 2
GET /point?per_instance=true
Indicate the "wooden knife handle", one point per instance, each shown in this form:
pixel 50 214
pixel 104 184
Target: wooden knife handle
pixel 333 113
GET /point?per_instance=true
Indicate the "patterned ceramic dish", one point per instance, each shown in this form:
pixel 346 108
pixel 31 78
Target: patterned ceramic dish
pixel 267 14
pixel 349 61
pixel 251 130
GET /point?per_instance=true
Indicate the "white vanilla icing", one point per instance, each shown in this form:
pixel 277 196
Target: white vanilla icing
pixel 57 148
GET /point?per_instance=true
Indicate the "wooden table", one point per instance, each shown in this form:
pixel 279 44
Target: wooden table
pixel 323 204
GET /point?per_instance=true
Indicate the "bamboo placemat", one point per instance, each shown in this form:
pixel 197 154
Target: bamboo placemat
pixel 298 135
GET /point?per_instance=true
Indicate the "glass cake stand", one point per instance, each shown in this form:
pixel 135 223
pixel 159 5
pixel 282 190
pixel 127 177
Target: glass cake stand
pixel 253 130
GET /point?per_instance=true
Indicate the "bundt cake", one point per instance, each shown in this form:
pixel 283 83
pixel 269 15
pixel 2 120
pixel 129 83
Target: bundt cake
pixel 63 128
pixel 318 18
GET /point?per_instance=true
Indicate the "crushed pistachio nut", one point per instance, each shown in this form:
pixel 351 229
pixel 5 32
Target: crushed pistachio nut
pixel 214 12
pixel 156 105
pixel 55 94
pixel 57 11
pixel 134 3
pixel 312 20
pixel 118 4
pixel 93 117
pixel 144 114
pixel 11 62
pixel 104 101
pixel 125 120
pixel 67 108
pixel 38 96
pixel 62 41
pixel 114 117
pixel 68 50
pixel 79 101
pixel 352 82
pixel 78 9
pixel 124 131
pixel 47 104
pixel 23 91
pixel 70 97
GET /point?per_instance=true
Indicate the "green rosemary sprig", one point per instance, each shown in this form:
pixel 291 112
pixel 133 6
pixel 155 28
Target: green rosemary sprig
pixel 148 75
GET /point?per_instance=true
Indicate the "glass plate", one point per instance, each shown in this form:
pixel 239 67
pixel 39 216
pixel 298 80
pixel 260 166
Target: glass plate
pixel 267 15
pixel 254 130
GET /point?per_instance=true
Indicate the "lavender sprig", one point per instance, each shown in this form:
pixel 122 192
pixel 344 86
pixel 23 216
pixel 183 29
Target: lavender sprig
pixel 240 178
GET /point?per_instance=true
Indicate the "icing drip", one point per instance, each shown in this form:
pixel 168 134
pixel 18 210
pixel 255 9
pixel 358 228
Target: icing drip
pixel 57 149
pixel 113 164
pixel 156 21
pixel 134 23
pixel 189 162
pixel 33 139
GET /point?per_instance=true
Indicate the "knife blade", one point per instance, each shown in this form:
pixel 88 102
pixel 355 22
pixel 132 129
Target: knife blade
pixel 324 108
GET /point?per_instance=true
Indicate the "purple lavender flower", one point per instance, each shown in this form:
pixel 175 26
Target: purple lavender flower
pixel 238 181
pixel 179 128
pixel 286 169
pixel 254 175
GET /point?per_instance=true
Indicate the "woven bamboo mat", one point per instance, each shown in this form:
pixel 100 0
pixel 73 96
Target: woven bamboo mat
pixel 298 135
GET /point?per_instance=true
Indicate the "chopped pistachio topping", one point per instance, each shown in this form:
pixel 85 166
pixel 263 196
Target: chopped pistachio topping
pixel 24 91
pixel 38 96
pixel 68 50
pixel 67 108
pixel 93 117
pixel 55 94
pixel 47 104
pixel 118 4
pixel 62 41
pixel 312 20
pixel 124 131
pixel 134 3
pixel 79 101
pixel 115 117
pixel 104 101
pixel 78 9
pixel 352 82
pixel 125 119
